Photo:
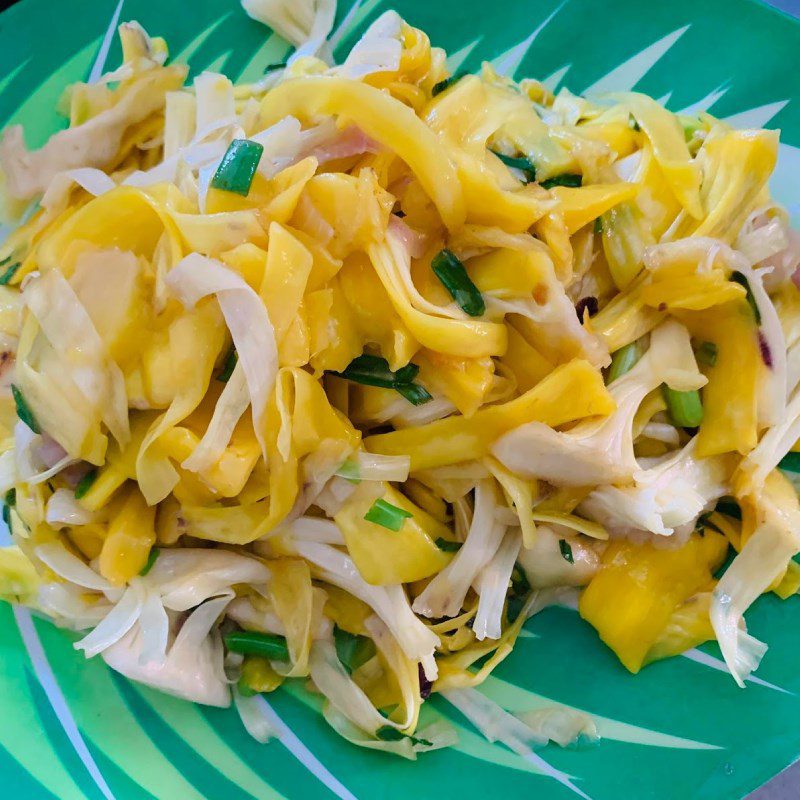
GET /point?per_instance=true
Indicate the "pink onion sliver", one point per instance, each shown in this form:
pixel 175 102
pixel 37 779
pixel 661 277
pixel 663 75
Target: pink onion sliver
pixel 351 141
pixel 413 241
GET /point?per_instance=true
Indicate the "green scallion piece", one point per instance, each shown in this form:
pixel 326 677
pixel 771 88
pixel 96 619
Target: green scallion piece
pixel 438 88
pixel 258 644
pixel 567 179
pixel 450 271
pixel 369 370
pixel 738 277
pixel 566 550
pixel 11 498
pixel 273 67
pixel 598 225
pixel 523 164
pixel 374 371
pixel 386 515
pixel 633 124
pixel 238 166
pixel 684 408
pixel 228 366
pixel 151 559
pixel 414 393
pixel 790 462
pixel 448 546
pixel 85 483
pixel 7 516
pixel 622 361
pixel 9 272
pixel 350 471
pixel 23 410
pixel 706 353
pixel 353 650
pixel 387 733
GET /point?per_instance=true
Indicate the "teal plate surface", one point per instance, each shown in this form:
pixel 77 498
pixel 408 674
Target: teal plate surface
pixel 72 729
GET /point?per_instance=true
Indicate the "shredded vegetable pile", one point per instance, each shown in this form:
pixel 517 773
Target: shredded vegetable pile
pixel 342 375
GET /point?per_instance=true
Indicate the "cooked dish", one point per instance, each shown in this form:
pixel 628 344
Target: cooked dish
pixel 342 375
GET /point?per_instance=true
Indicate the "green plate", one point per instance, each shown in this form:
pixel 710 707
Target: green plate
pixel 681 729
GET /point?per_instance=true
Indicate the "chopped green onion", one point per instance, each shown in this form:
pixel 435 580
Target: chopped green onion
pixel 520 588
pixel 632 123
pixel 438 88
pixel 684 408
pixel 737 277
pixel 7 515
pixel 258 644
pixel 566 550
pixel 790 462
pixel 706 353
pixel 238 166
pixel 450 271
pixel 228 366
pixel 9 272
pixel 567 179
pixel 374 371
pixel 386 515
pixel 414 393
pixel 151 559
pixel 273 67
pixel 623 360
pixel 11 497
pixel 387 733
pixel 369 370
pixel 350 471
pixel 23 410
pixel 406 374
pixel 85 483
pixel 448 546
pixel 353 650
pixel 523 164
pixel 598 224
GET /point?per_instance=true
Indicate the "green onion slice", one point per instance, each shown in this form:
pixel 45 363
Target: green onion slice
pixel 23 410
pixel 352 649
pixel 566 550
pixel 9 272
pixel 151 559
pixel 350 471
pixel 450 271
pixel 228 366
pixel 374 371
pixel 567 179
pixel 386 515
pixel 238 166
pixel 706 353
pixel 11 498
pixel 85 483
pixel 685 408
pixel 448 546
pixel 622 361
pixel 523 164
pixel 738 277
pixel 414 393
pixel 258 644
pixel 438 88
